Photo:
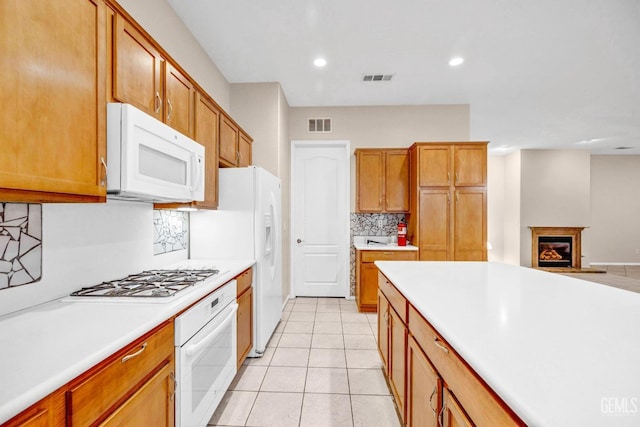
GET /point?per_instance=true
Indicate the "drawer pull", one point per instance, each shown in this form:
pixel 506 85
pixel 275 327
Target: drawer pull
pixel 436 341
pixel 137 353
pixel 433 393
pixel 388 253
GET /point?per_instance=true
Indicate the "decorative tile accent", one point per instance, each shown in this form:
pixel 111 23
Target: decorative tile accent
pixel 20 244
pixel 170 231
pixel 371 224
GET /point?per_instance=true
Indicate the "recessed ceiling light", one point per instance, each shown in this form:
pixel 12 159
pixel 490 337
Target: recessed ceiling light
pixel 456 61
pixel 320 62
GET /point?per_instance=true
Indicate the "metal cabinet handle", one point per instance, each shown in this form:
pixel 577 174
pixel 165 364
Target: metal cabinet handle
pixel 104 165
pixel 433 393
pixel 441 415
pixel 436 341
pixel 157 102
pixel 137 353
pixel 170 109
pixel 386 316
pixel 175 386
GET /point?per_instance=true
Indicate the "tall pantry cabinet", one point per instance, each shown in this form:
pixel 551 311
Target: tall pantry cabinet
pixel 448 186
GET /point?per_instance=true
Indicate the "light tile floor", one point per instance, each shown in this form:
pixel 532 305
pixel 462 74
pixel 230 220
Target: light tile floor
pixel 321 369
pixel 619 276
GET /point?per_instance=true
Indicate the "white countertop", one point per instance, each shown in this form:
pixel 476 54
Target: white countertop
pixel 559 351
pixel 46 346
pixel 389 244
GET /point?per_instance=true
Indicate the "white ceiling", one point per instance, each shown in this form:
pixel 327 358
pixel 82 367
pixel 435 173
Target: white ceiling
pixel 537 73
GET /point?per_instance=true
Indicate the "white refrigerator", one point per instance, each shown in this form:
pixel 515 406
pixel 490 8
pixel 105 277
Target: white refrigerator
pixel 247 225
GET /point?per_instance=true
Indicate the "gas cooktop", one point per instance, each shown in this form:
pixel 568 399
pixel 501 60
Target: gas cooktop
pixel 148 284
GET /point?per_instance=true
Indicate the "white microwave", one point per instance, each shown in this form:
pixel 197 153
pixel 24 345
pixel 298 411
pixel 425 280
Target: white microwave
pixel 149 161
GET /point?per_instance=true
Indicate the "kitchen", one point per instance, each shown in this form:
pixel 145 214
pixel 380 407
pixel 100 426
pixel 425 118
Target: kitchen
pixel 105 241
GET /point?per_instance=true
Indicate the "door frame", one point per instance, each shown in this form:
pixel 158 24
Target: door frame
pixel 297 145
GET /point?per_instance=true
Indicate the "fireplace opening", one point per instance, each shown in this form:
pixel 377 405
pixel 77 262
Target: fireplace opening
pixel 555 251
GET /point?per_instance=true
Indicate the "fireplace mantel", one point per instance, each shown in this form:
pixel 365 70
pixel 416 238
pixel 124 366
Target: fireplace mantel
pixel 573 232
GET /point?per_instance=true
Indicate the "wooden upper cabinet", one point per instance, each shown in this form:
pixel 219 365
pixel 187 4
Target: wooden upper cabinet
pixel 179 98
pixel 53 118
pixel 382 180
pixel 434 165
pixel 245 145
pixel 228 142
pixel 470 165
pixel 138 70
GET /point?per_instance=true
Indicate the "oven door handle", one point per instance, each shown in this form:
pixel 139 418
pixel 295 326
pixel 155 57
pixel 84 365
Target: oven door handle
pixel 196 348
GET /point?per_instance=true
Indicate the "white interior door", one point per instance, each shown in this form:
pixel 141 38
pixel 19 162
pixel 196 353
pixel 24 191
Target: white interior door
pixel 320 218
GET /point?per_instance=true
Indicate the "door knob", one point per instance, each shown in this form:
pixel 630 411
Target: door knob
pixel 299 241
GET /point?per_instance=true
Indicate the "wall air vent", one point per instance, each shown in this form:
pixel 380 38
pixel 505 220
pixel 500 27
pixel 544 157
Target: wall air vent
pixel 322 125
pixel 376 77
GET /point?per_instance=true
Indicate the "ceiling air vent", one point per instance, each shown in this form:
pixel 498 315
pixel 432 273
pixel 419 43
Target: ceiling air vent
pixel 322 125
pixel 376 77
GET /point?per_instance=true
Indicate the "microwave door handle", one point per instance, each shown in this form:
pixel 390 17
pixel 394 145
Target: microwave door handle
pixel 196 348
pixel 196 173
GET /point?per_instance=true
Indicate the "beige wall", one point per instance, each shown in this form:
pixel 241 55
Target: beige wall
pixel 511 208
pixel 262 110
pixel 495 207
pixel 615 209
pixel 162 23
pixel 383 126
pixel 556 192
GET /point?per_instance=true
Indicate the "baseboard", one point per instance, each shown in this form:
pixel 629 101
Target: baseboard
pixel 614 263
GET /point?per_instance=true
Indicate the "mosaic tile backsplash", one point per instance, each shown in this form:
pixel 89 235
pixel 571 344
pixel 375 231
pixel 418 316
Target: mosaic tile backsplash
pixel 373 224
pixel 170 231
pixel 20 244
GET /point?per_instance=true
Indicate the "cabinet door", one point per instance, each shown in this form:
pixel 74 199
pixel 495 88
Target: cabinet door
pixel 206 133
pixel 179 96
pixel 245 148
pixel 397 358
pixel 54 105
pixel 452 413
pixel 434 225
pixel 370 180
pixel 137 70
pixel 470 163
pixel 368 284
pixel 434 166
pixel 228 142
pixel 151 405
pixel 470 224
pixel 383 330
pixel 245 325
pixel 396 183
pixel 423 389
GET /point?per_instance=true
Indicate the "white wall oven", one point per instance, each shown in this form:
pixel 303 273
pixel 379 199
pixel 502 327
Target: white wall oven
pixel 205 339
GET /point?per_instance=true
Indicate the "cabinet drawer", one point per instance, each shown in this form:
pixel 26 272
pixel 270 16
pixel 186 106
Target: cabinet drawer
pixel 244 281
pixel 100 389
pixel 371 256
pixel 395 298
pixel 484 408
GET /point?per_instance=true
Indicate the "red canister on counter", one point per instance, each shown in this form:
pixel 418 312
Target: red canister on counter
pixel 402 233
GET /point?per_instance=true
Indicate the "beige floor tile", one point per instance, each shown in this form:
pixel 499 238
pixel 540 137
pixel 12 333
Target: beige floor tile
pixel 328 317
pixel 276 410
pixel 334 308
pixel 348 308
pixel 324 410
pixel 344 301
pixel 285 316
pixel 274 340
pixel 306 300
pixel 372 317
pixel 304 307
pixel 290 357
pixel 361 342
pixel 288 306
pixel 373 411
pixel 327 380
pixel 295 340
pixel 327 341
pixel 280 326
pixel 328 327
pixel 265 360
pixel 367 381
pixel 354 318
pixel 284 379
pixel 298 328
pixel 329 301
pixel 350 328
pixel 327 358
pixel 364 359
pixel 249 378
pixel 302 316
pixel 234 408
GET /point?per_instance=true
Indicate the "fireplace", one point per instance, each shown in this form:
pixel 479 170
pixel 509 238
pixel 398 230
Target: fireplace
pixel 556 247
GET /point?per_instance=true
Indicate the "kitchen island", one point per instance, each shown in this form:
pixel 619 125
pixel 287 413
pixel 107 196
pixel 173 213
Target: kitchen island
pixel 556 351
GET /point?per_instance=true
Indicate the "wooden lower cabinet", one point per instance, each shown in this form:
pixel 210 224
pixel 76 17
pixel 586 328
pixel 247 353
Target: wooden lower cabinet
pixel 452 413
pixel 49 412
pixel 245 314
pixel 383 330
pixel 367 275
pixel 397 361
pixel 424 387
